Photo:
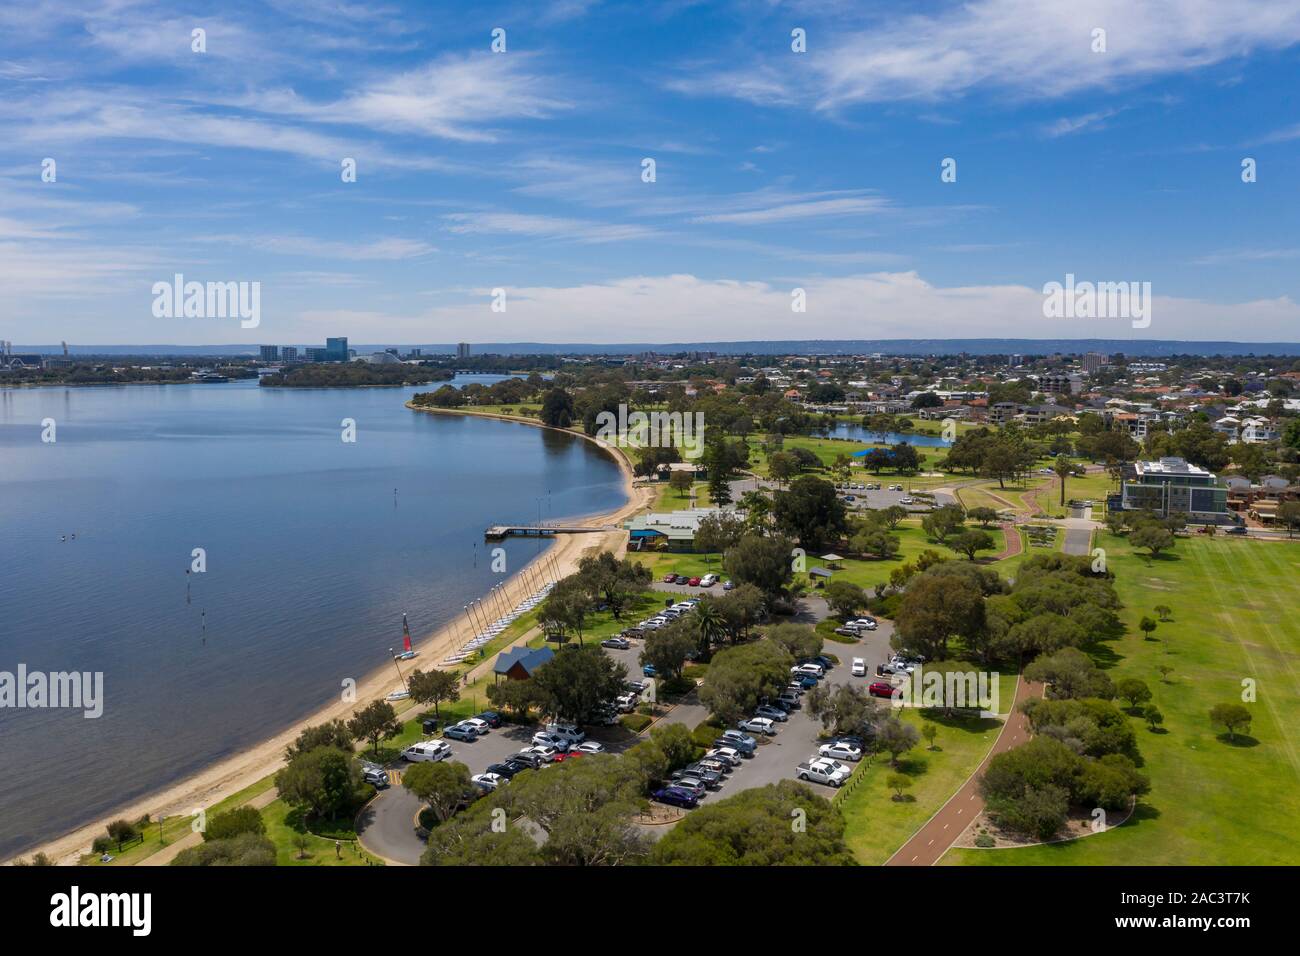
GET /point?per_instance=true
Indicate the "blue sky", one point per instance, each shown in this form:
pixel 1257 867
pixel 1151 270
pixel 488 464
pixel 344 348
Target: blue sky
pixel 522 170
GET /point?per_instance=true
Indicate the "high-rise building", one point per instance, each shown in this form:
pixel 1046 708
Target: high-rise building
pixel 462 350
pixel 289 353
pixel 337 349
pixel 1092 362
pixel 317 355
pixel 270 353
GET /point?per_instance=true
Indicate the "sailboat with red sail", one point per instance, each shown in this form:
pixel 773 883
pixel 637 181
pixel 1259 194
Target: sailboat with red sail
pixel 407 653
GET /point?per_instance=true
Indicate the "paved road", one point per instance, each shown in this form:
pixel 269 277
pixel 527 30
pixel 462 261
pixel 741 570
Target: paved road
pixel 1078 535
pixel 934 839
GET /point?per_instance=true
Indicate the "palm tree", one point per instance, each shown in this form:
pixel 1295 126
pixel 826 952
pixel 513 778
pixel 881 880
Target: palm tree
pixel 1063 468
pixel 710 625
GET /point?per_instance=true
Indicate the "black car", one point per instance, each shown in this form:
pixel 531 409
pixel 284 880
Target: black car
pixel 507 769
pixel 490 717
pixel 529 760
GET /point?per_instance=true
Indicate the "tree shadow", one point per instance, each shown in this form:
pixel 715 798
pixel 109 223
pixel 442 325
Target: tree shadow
pixel 1241 740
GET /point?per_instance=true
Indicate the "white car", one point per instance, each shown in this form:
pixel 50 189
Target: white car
pixel 541 750
pixel 489 781
pixel 864 623
pixel 759 725
pixel 708 580
pixel 727 754
pixel 859 667
pixel 841 751
pixel 480 726
pixel 590 747
pixel 547 740
pixel 811 670
pixel 427 750
pixel 568 731
pixel 906 500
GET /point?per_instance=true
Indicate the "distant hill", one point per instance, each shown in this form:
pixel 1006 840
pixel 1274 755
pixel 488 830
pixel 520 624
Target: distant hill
pixel 1142 348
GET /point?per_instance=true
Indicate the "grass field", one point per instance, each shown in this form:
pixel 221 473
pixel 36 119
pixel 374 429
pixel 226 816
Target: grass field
pixel 876 823
pixel 1212 802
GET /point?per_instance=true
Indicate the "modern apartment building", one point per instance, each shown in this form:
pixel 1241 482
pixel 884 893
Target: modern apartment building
pixel 1172 485
pixel 270 353
pixel 462 350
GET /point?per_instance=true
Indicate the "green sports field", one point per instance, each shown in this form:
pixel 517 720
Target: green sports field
pixel 1234 618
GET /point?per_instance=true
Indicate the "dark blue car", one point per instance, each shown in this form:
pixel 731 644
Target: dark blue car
pixel 649 670
pixel 676 797
pixel 490 717
pixel 807 681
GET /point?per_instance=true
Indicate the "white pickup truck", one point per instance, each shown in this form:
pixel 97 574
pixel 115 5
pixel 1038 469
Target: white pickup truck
pixel 822 770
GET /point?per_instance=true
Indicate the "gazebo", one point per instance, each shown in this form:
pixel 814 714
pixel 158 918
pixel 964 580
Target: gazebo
pixel 832 560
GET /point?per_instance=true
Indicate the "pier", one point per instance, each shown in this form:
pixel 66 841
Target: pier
pixel 499 531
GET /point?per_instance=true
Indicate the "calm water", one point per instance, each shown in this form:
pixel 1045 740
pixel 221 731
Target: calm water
pixel 856 432
pixel 311 562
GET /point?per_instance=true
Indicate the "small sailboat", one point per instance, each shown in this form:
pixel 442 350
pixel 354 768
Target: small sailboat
pixel 407 653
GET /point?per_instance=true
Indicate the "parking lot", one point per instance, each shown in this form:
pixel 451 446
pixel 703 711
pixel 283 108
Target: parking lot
pixel 387 826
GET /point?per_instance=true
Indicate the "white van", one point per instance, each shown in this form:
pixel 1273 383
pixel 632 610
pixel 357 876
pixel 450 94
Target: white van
pixel 568 732
pixel 859 667
pixel 427 750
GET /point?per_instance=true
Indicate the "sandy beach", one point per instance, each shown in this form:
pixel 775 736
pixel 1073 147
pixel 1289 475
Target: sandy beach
pixel 234 773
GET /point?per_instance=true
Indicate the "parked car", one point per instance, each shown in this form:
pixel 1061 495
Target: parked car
pixel 728 754
pixel 714 764
pixel 881 689
pixel 590 747
pixel 771 712
pixel 479 725
pixel 789 699
pixel 555 742
pixel 864 623
pixel 810 670
pixel 649 670
pixel 728 584
pixel 545 752
pixel 807 682
pixel 841 750
pixel 708 580
pixel 906 500
pixel 461 732
pixel 693 582
pixel 821 770
pixel 488 781
pixel 681 579
pixel 710 777
pixel 617 642
pixel 507 769
pixel 627 703
pixel 377 777
pixel 739 740
pixel 692 784
pixel 530 758
pixel 676 797
pixel 859 667
pixel 427 750
pixel 847 631
pixel 765 726
pixel 670 579
pixel 490 717
pixel 568 731
pixel 1236 529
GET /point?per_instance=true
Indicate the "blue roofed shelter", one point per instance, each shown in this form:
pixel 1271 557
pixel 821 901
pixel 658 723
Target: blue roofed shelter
pixel 519 663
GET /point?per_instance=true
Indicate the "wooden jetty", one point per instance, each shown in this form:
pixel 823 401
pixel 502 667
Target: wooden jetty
pixel 499 531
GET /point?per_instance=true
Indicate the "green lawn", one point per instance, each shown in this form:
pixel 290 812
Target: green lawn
pixel 1234 617
pixel 282 828
pixel 877 824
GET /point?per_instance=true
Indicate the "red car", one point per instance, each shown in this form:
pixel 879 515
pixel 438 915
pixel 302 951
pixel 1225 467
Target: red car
pixel 570 755
pixel 669 578
pixel 881 689
pixel 694 582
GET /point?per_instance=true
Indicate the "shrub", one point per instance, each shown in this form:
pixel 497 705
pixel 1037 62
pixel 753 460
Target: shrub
pixel 635 722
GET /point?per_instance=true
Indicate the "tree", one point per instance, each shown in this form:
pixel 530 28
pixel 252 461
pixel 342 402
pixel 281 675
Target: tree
pixel 970 541
pixel 1165 670
pixel 1232 717
pixel 557 408
pixel 377 721
pixel 753 828
pixel 845 598
pixel 1146 625
pixel 898 782
pixel 799 640
pixel 667 649
pixel 231 823
pixel 515 697
pixel 927 400
pixel 324 783
pixel 846 709
pixel 761 561
pixel 718 532
pixel 612 580
pixel 1063 470
pixel 1288 514
pixel 433 687
pixel 739 610
pixel 1070 674
pixel 874 541
pixel 983 514
pixel 1133 690
pixel 576 681
pixel 810 511
pixel 943 521
pixel 709 622
pixel 1163 611
pixel 681 482
pixel 935 608
pixel 1153 537
pixel 1151 714
pixel 739 676
pixel 443 784
pixel 896 738
pixel 929 731
pixel 333 733
pixel 246 849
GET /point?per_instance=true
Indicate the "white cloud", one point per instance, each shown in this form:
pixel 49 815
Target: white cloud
pixel 786 212
pixel 552 227
pixel 1029 48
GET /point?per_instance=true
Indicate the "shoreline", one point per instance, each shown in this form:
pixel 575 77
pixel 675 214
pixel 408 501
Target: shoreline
pixel 230 774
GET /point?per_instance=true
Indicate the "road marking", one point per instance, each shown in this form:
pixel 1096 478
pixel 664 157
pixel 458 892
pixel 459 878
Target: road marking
pixel 931 842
